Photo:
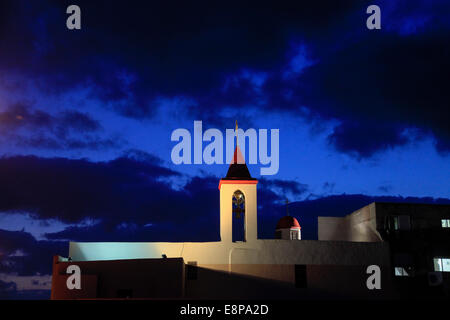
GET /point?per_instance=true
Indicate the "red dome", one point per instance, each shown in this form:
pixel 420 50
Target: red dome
pixel 288 222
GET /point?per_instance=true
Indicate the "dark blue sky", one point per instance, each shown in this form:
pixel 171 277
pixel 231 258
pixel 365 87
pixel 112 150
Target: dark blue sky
pixel 86 116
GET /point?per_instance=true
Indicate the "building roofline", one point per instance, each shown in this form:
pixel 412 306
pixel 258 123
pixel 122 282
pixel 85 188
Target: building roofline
pixel 411 203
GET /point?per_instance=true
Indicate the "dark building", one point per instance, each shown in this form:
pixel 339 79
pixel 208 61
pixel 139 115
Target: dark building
pixel 419 241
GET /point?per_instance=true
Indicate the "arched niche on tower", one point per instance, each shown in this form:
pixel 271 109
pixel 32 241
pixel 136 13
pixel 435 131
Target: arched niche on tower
pixel 238 216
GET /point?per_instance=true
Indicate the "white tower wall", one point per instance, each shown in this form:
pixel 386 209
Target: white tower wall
pixel 227 189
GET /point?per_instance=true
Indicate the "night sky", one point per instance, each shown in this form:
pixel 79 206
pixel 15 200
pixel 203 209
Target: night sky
pixel 86 117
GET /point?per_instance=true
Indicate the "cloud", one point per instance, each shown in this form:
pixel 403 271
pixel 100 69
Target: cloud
pixel 25 126
pixel 270 58
pixel 7 289
pixel 328 187
pixel 412 17
pixel 13 287
pixel 284 187
pixel 35 258
pixel 365 139
pixel 133 61
pixel 72 190
pixel 379 86
pixel 385 188
pixel 7 286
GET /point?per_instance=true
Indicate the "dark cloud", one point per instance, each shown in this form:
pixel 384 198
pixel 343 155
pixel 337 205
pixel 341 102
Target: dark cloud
pixel 142 156
pixel 385 88
pixel 142 50
pixel 79 121
pixel 43 142
pixel 23 255
pixel 7 286
pixel 284 187
pixel 24 116
pixel 22 125
pixel 20 115
pixel 328 186
pixel 375 83
pixel 385 188
pixel 197 229
pixel 8 289
pixel 379 86
pixel 364 139
pixel 74 189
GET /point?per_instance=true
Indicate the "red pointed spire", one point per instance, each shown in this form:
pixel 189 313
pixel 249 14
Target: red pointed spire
pixel 238 171
pixel 238 158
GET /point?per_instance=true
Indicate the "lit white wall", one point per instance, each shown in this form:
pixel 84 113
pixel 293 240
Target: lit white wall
pixel 226 211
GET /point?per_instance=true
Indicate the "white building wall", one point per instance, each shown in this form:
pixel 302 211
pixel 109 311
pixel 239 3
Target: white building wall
pixel 360 226
pixel 256 252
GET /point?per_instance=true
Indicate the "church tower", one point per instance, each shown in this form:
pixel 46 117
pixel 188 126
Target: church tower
pixel 238 203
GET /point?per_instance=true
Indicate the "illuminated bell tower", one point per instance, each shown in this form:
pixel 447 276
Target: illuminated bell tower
pixel 238 202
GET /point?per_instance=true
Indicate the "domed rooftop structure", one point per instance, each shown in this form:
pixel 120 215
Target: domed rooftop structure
pixel 288 228
pixel 288 222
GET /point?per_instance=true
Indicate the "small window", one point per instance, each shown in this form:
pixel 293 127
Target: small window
pixel 294 235
pixel 401 272
pixel 441 264
pixel 300 276
pixel 395 222
pixel 401 222
pixel 445 223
